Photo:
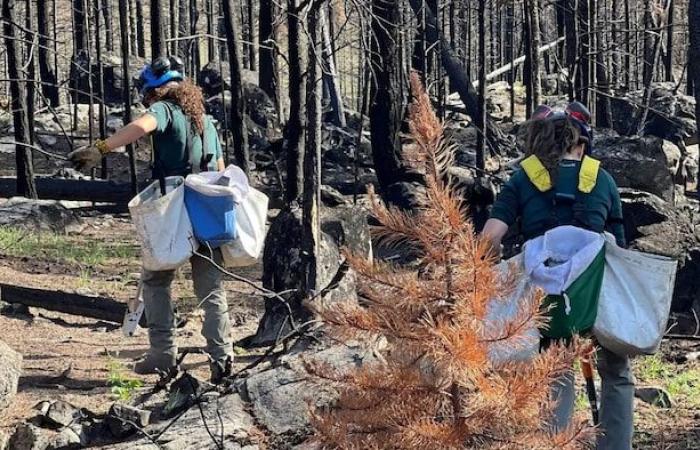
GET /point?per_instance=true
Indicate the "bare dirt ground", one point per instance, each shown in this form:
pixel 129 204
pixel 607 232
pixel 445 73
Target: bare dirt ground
pixel 72 358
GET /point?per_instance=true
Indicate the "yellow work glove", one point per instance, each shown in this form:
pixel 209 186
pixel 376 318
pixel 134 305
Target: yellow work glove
pixel 86 158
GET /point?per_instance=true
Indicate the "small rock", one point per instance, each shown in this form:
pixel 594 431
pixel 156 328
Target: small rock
pixel 62 414
pixel 10 370
pixel 121 419
pixel 655 396
pixel 68 438
pixel 331 197
pixel 29 437
pixel 182 394
pixel 692 356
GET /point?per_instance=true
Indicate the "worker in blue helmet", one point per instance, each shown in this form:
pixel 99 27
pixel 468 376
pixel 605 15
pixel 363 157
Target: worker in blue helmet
pixel 184 141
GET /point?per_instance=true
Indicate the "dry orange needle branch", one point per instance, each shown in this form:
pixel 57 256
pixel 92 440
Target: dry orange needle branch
pixel 438 386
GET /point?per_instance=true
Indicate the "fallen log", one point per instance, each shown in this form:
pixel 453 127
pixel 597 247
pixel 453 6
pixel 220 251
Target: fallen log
pixel 98 191
pixel 101 308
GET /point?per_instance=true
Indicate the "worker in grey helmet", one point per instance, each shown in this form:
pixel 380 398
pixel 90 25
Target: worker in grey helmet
pixel 184 141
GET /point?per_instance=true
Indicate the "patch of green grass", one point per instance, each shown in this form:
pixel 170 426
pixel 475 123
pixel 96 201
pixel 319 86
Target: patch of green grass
pixel 581 403
pixel 122 387
pixel 18 242
pixel 683 384
pixel 653 368
pixel 686 385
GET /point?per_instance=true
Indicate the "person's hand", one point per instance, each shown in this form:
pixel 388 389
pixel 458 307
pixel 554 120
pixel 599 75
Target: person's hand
pixel 85 157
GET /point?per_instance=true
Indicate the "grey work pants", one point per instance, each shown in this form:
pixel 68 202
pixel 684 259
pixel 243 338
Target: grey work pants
pixel 616 401
pixel 212 297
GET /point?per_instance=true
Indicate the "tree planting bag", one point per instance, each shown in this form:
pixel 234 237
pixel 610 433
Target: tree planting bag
pixel 251 221
pixel 635 300
pixel 567 263
pixel 162 225
pixel 501 311
pixel 211 199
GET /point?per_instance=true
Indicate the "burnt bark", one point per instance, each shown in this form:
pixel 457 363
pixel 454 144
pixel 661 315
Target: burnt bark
pixel 694 55
pixel 388 92
pixel 157 30
pixel 268 77
pixel 126 79
pixel 294 129
pixel 20 117
pixel 47 72
pixel 311 221
pixel 237 125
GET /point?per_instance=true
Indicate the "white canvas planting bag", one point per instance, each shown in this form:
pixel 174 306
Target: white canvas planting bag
pixel 162 225
pixel 503 310
pixel 635 300
pixel 251 220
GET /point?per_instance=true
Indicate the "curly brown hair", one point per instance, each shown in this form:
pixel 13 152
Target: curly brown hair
pixel 549 140
pixel 186 95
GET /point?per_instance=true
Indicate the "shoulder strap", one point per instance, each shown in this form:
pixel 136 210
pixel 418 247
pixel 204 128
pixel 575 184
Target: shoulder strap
pixel 537 173
pixel 588 175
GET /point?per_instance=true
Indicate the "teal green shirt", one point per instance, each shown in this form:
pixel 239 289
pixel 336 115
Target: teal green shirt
pixel 601 208
pixel 170 140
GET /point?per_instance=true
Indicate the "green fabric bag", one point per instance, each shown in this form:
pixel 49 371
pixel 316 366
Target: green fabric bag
pixel 583 296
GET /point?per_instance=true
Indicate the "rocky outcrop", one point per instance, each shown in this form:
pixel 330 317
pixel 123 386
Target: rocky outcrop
pixel 41 215
pixel 283 397
pixel 10 371
pixel 671 115
pixel 645 163
pixel 655 226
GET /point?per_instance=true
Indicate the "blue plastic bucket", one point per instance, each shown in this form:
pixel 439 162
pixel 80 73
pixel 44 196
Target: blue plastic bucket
pixel 213 217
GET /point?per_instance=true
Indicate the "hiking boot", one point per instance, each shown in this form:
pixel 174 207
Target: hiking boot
pixel 155 363
pixel 220 370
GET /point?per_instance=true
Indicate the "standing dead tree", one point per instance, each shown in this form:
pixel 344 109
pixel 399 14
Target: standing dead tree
pixel 237 124
pixel 20 109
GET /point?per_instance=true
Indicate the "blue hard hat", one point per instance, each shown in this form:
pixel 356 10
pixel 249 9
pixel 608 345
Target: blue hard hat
pixel 161 71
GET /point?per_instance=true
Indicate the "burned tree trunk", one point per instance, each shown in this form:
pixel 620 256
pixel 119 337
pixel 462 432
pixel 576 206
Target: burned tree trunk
pixel 157 30
pixel 124 35
pixel 480 119
pixel 49 85
pixel 79 32
pixel 389 93
pixel 140 36
pixel 311 220
pixel 268 78
pixel 572 47
pixel 336 115
pixel 694 55
pixel 238 126
pixel 294 129
pixel 668 56
pixel 23 156
pixel 184 30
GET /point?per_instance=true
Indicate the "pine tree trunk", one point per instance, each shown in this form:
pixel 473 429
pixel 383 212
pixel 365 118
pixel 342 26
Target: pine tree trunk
pixel 238 124
pixel 694 55
pixel 294 129
pixel 141 35
pixel 133 27
pixel 183 45
pixel 106 9
pixel 124 35
pixel 480 119
pixel 668 56
pixel 649 39
pixel 174 27
pixel 585 51
pixel 572 46
pixel 22 131
pixel 79 33
pixel 157 30
pixel 49 86
pixel 212 46
pixel 336 115
pixel 267 75
pixel 388 94
pixel 311 221
pixel 252 53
